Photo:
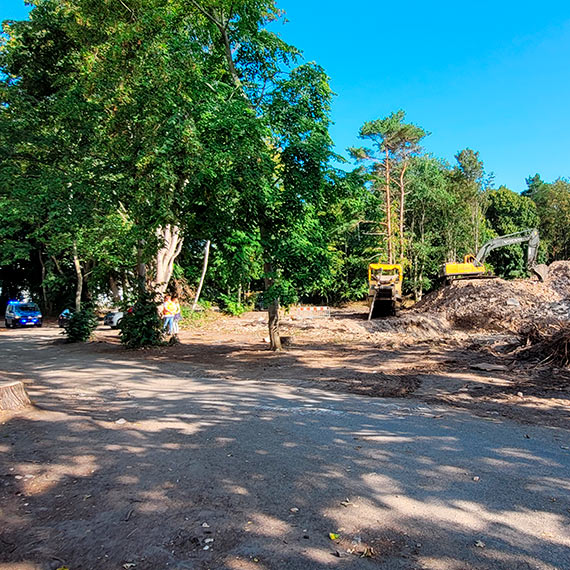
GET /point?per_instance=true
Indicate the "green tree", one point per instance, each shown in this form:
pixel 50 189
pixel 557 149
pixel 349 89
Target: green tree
pixel 507 213
pixel 48 169
pixel 431 210
pixel 553 205
pixel 194 116
pixel 394 142
pixel 466 228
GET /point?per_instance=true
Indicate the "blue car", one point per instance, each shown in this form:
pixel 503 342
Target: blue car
pixel 22 314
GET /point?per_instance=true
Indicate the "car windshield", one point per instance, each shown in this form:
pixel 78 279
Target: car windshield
pixel 27 309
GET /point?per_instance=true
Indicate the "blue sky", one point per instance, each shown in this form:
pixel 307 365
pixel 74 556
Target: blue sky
pixel 492 76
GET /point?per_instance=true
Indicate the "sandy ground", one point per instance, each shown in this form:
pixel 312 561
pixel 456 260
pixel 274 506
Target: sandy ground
pixel 217 453
pixel 346 353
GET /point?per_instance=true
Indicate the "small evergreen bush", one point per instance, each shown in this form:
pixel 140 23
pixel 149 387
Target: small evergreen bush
pixel 81 324
pixel 141 325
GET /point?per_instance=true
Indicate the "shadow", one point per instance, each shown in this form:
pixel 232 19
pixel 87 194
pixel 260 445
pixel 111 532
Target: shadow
pixel 141 460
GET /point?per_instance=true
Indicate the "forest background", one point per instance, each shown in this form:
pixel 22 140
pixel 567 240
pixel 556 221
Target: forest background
pixel 133 135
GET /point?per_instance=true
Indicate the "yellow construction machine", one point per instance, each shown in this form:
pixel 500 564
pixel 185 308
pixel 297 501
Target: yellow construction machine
pixel 473 265
pixel 385 289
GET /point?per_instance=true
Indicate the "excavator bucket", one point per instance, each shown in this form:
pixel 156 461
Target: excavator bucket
pixel 541 271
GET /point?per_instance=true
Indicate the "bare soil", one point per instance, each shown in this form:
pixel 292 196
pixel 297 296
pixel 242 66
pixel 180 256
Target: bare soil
pixel 130 453
pixel 415 355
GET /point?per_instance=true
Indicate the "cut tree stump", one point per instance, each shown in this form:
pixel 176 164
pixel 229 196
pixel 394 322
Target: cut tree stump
pixel 13 396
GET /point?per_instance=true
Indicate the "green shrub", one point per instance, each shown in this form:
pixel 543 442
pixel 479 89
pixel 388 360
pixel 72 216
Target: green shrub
pixel 142 326
pixel 185 311
pixel 81 325
pixel 230 305
pixel 199 318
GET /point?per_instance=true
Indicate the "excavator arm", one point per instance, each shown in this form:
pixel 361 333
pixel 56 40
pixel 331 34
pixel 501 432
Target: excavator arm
pixel 530 236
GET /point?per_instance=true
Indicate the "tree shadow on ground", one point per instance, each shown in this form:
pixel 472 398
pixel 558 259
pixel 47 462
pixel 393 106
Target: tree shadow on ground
pixel 214 472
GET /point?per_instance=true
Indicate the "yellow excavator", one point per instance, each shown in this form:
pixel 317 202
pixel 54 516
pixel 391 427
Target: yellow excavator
pixel 473 266
pixel 384 289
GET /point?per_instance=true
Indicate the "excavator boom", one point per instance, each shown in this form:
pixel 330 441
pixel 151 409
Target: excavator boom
pixel 530 236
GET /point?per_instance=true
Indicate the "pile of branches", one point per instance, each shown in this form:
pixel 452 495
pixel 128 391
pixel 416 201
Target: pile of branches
pixel 548 344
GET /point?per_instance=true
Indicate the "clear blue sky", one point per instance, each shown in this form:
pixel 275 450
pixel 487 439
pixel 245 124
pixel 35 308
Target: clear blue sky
pixel 493 76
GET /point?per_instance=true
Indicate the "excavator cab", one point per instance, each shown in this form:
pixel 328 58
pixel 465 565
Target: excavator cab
pixel 384 289
pixel 468 268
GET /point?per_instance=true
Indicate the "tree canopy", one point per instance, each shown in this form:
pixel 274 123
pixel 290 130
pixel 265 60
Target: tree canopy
pixel 133 134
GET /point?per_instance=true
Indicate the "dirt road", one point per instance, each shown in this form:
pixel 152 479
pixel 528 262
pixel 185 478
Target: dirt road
pixel 131 462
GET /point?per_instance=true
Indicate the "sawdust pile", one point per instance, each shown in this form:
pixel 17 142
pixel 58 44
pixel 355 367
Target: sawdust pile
pixel 506 306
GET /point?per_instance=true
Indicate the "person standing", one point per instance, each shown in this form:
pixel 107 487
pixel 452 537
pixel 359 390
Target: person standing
pixel 176 317
pixel 168 314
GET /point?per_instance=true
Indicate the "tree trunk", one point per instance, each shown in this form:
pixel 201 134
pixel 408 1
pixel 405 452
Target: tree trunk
pixel 125 282
pixel 274 336
pixel 13 396
pixel 272 310
pixel 47 308
pixel 402 209
pixel 141 268
pixel 114 289
pixel 202 277
pixel 230 59
pixel 172 245
pixel 423 261
pixel 79 274
pixel 388 209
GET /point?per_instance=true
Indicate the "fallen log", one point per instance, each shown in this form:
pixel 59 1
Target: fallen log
pixel 13 396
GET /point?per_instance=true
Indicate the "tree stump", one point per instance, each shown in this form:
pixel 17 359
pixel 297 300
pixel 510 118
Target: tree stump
pixel 13 396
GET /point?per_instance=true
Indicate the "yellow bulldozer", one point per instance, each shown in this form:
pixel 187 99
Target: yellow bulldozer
pixel 384 289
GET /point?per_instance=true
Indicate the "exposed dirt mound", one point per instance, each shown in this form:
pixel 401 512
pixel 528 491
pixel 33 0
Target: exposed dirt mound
pixel 499 305
pixel 417 326
pixel 559 278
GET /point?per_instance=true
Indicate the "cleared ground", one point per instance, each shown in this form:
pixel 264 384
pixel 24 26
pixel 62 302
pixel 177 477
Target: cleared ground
pixel 217 453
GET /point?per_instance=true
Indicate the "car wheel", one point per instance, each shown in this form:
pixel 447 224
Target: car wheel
pixel 119 323
pixel 39 325
pixel 6 324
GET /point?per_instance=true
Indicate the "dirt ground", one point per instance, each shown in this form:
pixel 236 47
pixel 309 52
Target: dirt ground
pixel 413 355
pixel 129 453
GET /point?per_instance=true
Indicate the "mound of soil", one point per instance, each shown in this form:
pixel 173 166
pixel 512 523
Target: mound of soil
pixel 559 278
pixel 499 305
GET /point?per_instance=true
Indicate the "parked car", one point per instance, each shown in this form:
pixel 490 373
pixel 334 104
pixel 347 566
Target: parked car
pixel 22 314
pixel 113 319
pixel 64 317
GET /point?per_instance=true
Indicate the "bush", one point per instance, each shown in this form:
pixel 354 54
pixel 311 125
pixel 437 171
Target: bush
pixel 141 325
pixel 199 318
pixel 230 305
pixel 81 325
